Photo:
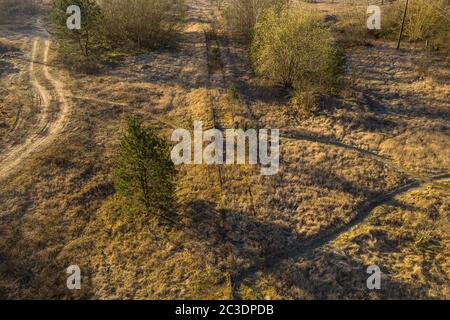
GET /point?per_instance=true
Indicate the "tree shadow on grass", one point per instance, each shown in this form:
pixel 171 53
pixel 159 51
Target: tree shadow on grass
pixel 249 238
pixel 261 247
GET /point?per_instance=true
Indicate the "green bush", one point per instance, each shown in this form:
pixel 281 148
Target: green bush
pixel 144 172
pixel 295 49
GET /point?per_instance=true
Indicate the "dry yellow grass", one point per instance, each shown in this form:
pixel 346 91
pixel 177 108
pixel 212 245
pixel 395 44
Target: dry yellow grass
pixel 407 238
pixel 390 120
pixel 16 101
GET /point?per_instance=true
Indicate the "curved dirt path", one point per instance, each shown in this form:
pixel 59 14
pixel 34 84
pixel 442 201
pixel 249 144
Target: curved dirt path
pixel 48 125
pixel 307 248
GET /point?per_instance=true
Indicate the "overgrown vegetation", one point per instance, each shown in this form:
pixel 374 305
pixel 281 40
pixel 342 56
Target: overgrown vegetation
pixel 141 24
pixel 79 48
pixel 144 173
pixel 112 25
pixel 425 21
pixel 240 16
pixel 295 49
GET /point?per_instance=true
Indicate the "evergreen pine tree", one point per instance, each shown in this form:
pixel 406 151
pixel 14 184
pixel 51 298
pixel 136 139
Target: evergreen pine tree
pixel 144 171
pixel 77 46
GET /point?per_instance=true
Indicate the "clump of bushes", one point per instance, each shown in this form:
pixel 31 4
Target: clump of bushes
pixel 294 48
pixel 111 25
pixel 425 20
pixel 141 24
pixel 240 16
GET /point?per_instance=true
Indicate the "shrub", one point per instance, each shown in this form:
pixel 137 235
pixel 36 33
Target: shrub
pixel 111 24
pixel 240 16
pixel 144 171
pixel 295 49
pixel 141 24
pixel 425 20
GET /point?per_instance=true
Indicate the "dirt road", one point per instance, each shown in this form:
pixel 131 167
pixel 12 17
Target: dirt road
pixel 49 124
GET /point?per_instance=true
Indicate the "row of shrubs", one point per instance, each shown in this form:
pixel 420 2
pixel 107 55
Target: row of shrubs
pixel 109 26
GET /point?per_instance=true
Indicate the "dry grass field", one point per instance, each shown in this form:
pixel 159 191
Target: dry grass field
pixel 364 177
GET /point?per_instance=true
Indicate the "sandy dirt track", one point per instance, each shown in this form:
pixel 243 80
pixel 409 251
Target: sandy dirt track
pixel 48 125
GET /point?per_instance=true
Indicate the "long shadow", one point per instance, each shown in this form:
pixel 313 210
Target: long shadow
pixel 256 242
pixel 369 123
pixel 328 180
pixel 247 235
pixel 241 75
pixel 20 24
pixel 373 101
pixel 381 100
pixel 251 231
pixel 8 52
pixel 254 93
pixel 7 68
pixel 306 248
pixel 375 104
pixel 13 272
pixel 308 136
pixel 259 245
